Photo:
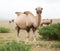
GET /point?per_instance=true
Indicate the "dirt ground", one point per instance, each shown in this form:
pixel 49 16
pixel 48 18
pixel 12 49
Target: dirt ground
pixel 41 45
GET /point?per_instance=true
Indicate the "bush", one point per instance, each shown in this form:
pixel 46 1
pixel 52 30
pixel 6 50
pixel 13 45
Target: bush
pixel 14 46
pixel 50 32
pixel 4 30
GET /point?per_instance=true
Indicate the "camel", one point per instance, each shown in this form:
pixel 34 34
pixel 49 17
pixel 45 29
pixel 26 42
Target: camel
pixel 46 22
pixel 10 21
pixel 26 21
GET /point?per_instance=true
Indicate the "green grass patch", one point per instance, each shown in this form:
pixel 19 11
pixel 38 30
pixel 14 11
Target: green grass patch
pixel 4 30
pixel 14 46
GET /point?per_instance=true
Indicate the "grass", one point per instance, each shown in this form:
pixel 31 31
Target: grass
pixel 6 38
pixel 4 30
pixel 14 46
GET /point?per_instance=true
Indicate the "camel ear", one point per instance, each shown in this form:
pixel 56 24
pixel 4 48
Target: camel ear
pixel 35 8
pixel 41 8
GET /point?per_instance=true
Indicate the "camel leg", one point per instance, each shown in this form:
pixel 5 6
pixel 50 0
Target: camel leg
pixel 28 30
pixel 18 29
pixel 34 29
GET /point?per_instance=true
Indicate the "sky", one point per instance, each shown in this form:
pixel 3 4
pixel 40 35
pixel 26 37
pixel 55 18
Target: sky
pixel 51 8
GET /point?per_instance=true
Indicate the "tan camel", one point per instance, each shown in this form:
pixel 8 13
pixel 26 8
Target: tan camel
pixel 28 21
pixel 46 22
pixel 10 21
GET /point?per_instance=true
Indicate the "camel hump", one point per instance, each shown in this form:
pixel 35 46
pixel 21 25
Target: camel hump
pixel 27 12
pixel 18 13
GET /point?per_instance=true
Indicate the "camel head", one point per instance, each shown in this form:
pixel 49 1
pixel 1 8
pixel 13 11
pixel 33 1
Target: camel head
pixel 12 20
pixel 39 10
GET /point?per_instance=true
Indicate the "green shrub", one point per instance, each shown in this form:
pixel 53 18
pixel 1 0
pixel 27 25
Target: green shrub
pixel 4 30
pixel 50 32
pixel 14 46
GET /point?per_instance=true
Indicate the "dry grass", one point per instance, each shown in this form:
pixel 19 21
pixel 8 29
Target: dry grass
pixel 42 45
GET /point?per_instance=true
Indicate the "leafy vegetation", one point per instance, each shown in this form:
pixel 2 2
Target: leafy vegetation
pixel 50 32
pixel 4 30
pixel 14 46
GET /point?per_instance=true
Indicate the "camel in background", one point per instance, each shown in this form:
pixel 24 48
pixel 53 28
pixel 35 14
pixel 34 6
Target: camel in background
pixel 46 22
pixel 27 21
pixel 10 21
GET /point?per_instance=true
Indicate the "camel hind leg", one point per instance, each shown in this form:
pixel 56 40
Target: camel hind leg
pixel 17 35
pixel 18 29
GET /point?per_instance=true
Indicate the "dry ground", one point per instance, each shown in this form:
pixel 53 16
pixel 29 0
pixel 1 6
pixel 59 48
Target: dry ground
pixel 42 45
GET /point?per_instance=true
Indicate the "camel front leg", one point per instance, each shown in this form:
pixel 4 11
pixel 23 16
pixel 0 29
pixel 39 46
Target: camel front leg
pixel 27 36
pixel 34 29
pixel 34 37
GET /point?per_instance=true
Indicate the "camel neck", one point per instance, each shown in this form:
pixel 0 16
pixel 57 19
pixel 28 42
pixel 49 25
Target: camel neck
pixel 39 19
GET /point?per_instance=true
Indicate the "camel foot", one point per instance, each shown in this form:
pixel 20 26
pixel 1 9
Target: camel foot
pixel 17 38
pixel 26 41
pixel 34 40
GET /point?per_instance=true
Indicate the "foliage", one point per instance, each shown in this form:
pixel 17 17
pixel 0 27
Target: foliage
pixel 50 32
pixel 4 30
pixel 14 46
